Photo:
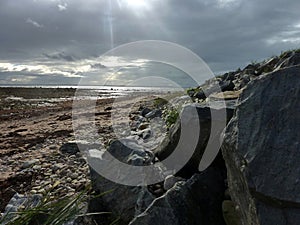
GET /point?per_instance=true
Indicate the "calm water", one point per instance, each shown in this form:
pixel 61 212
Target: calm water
pixel 99 91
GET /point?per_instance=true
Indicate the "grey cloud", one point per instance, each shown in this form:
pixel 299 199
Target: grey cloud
pixel 34 23
pixel 226 33
pixel 62 7
pixel 98 66
pixel 23 78
pixel 60 56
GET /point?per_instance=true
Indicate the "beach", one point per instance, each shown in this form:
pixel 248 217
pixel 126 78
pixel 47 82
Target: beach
pixel 35 124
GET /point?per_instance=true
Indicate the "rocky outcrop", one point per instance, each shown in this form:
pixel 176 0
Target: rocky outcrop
pixel 123 201
pixel 239 79
pixel 196 201
pixel 261 150
pixel 215 112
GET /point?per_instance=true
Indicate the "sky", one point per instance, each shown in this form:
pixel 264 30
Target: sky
pixel 61 42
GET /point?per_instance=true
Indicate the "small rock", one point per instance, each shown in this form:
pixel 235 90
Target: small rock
pixel 57 166
pixel 69 148
pixel 52 147
pixel 33 192
pixel 170 181
pixel 29 163
pixel 108 108
pixel 42 190
pixel 147 134
pixel 37 167
pixel 145 111
pixel 73 175
pixel 200 95
pixel 153 114
pixel 143 126
pixel 64 117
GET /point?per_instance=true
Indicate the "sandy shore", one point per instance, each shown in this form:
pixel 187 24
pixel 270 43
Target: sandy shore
pixel 32 133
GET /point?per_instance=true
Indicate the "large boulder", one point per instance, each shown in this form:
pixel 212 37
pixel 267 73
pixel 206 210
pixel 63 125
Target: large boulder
pixel 215 112
pixel 123 201
pixel 291 59
pixel 196 201
pixel 262 150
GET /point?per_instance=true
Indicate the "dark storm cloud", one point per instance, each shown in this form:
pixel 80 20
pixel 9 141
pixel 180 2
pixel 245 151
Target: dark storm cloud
pixel 60 56
pixel 226 33
pixel 24 78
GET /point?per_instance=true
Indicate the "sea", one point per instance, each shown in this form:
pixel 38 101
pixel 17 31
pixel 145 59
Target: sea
pixel 102 91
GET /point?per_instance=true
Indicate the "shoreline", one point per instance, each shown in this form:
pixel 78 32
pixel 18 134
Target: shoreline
pixel 34 132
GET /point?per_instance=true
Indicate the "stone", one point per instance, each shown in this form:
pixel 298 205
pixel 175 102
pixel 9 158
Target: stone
pixel 143 126
pixel 19 201
pixel 37 167
pixel 292 60
pixel 196 201
pixel 122 200
pixel 261 150
pixel 73 148
pixel 108 108
pixel 124 148
pixel 200 95
pixel 57 166
pixel 69 148
pixel 145 111
pixel 227 95
pixel 227 86
pixel 146 134
pixel 153 114
pixel 64 117
pixel 170 181
pixel 192 114
pixel 29 163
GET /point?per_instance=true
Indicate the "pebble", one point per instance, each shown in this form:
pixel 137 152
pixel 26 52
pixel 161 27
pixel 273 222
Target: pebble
pixel 52 147
pixel 42 190
pixel 74 175
pixel 29 163
pixel 33 192
pixel 57 166
pixel 143 126
pixel 37 167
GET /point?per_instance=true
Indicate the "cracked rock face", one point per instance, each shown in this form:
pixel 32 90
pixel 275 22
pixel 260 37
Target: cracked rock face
pixel 262 151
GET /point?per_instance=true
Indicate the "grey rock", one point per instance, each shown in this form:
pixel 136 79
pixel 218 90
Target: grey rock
pixel 146 135
pixel 153 114
pixel 170 181
pixel 292 60
pixel 200 95
pixel 122 200
pixel 29 163
pixel 69 148
pixel 145 111
pixel 57 166
pixel 196 201
pixel 73 148
pixel 227 86
pixel 191 115
pixel 123 149
pixel 261 150
pixel 18 201
pixel 143 126
pixel 108 108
